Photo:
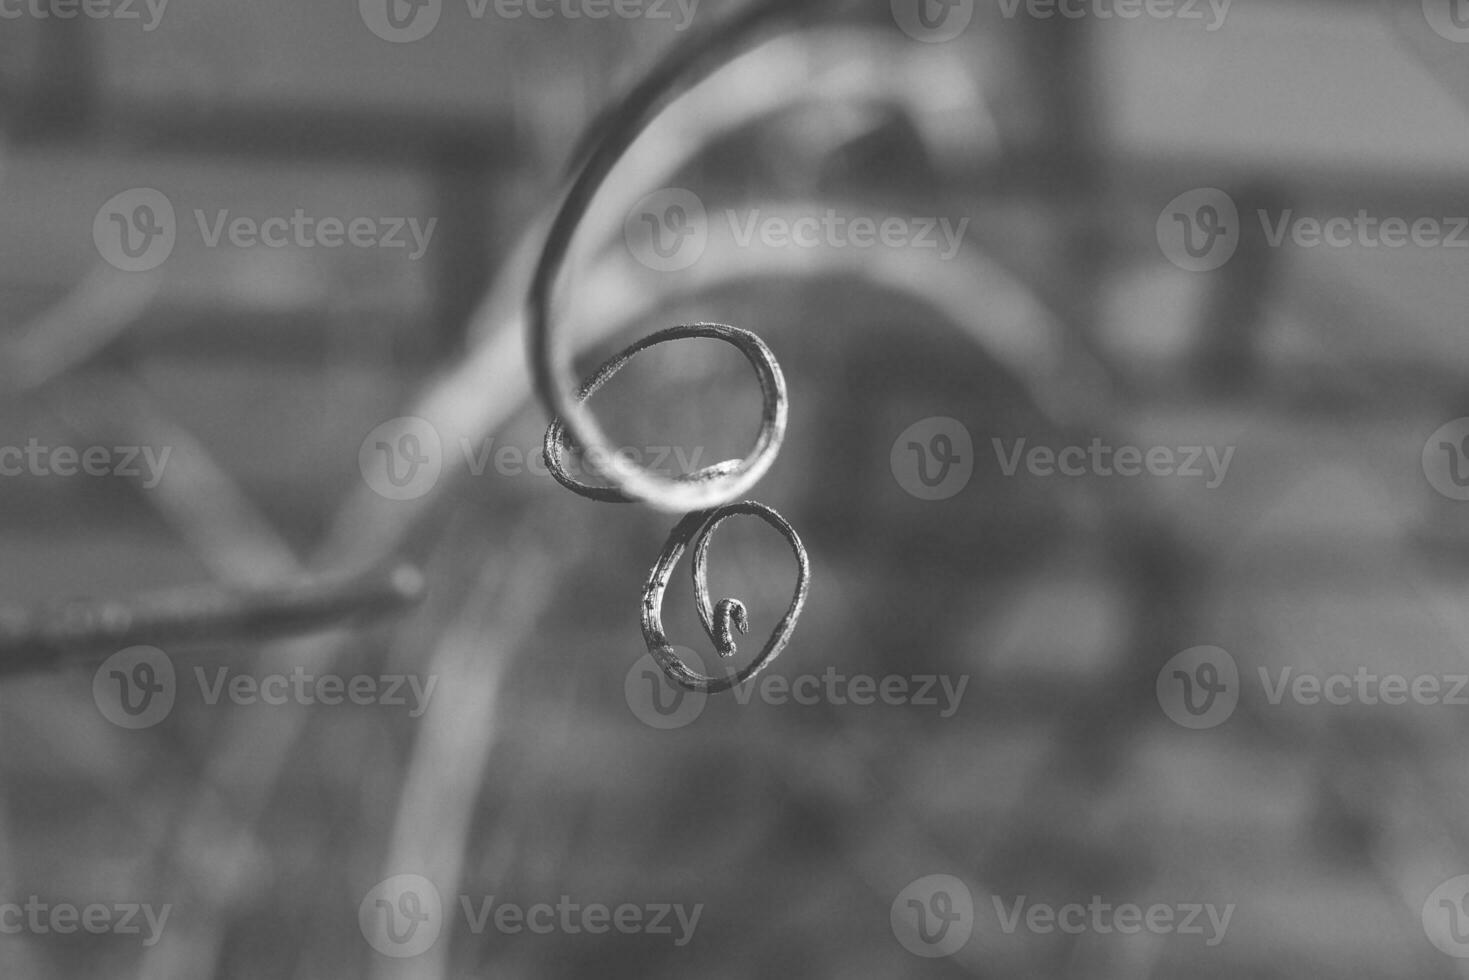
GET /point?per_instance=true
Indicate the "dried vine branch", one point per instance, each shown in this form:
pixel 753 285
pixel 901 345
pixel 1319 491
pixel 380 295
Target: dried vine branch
pixel 706 493
pixel 722 619
pixel 550 362
pixel 773 415
pixel 50 634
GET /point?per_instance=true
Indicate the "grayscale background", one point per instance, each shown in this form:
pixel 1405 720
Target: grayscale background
pixel 1128 437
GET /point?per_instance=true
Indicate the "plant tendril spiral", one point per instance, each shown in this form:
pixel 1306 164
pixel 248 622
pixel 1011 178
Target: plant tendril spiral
pixel 703 496
pixel 723 619
pixel 717 620
pixel 772 416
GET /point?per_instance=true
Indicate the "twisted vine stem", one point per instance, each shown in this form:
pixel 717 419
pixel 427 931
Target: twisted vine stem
pixel 685 64
pixel 704 496
pixel 723 619
pixel 773 413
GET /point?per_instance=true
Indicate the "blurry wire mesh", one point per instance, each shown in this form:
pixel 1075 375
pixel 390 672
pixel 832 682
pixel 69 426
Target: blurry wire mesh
pixel 529 778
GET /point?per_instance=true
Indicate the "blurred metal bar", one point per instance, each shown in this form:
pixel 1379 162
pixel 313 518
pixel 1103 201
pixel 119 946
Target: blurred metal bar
pixel 459 154
pixel 362 136
pixel 266 337
pixel 1060 57
pixel 1228 361
pixel 467 256
pixel 50 634
pixel 59 100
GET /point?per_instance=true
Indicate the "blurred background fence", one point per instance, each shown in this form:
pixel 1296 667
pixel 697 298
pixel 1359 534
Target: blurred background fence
pixel 1060 143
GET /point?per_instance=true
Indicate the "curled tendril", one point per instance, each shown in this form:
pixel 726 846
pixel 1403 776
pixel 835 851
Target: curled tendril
pixel 719 620
pixel 550 361
pixel 724 619
pixel 705 495
pixel 772 416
